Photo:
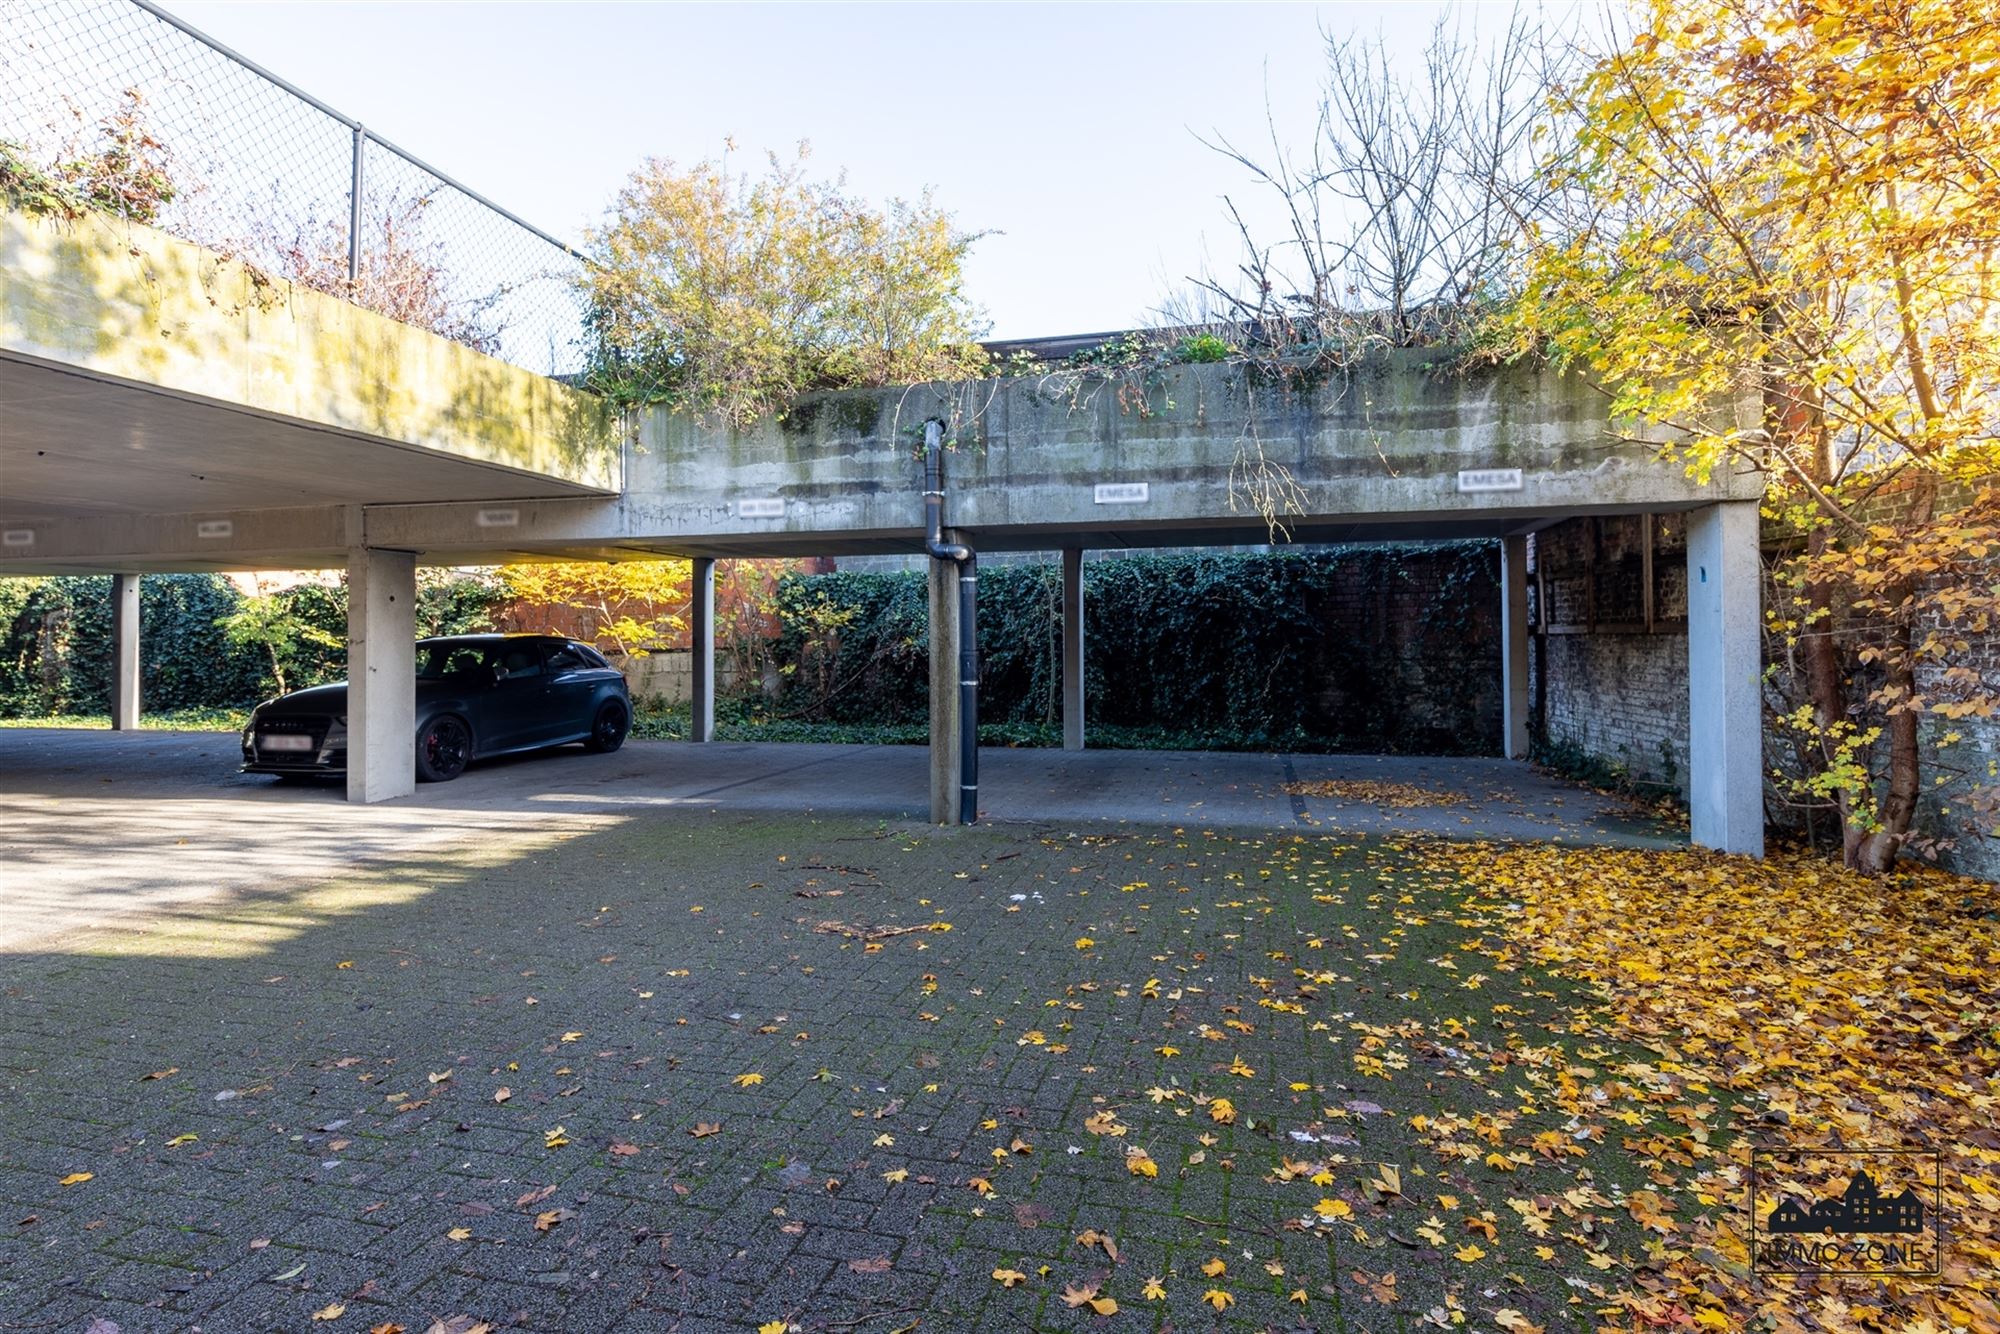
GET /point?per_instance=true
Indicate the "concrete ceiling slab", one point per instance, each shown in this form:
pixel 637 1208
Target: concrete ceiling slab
pixel 75 445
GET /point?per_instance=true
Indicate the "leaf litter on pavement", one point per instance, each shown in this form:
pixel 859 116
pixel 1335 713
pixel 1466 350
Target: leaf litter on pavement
pixel 1353 1084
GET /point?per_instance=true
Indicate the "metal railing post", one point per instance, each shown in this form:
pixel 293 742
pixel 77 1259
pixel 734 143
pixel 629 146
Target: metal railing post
pixel 354 208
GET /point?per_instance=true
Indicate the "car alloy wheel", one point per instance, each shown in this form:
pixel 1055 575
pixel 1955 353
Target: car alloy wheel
pixel 444 745
pixel 607 733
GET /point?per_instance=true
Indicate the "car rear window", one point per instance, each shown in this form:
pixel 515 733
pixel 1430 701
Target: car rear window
pixel 518 660
pixel 439 661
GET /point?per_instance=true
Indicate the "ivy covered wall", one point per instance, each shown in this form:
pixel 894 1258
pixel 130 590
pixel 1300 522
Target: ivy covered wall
pixel 55 639
pixel 55 645
pixel 1375 649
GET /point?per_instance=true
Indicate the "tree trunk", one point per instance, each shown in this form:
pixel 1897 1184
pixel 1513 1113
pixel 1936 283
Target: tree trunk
pixel 1799 421
pixel 1878 849
pixel 1904 780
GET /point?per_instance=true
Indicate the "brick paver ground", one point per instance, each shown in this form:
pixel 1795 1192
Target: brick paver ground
pixel 370 1089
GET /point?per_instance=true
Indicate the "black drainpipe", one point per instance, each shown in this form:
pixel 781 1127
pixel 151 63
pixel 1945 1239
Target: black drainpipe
pixel 968 622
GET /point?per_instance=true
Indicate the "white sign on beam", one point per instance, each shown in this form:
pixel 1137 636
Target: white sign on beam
pixel 215 528
pixel 1122 493
pixel 497 518
pixel 772 507
pixel 18 537
pixel 1489 479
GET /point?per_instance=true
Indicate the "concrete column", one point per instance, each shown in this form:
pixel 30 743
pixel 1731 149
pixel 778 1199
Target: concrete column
pixel 1514 647
pixel 944 688
pixel 1072 648
pixel 124 652
pixel 381 674
pixel 701 650
pixel 1725 662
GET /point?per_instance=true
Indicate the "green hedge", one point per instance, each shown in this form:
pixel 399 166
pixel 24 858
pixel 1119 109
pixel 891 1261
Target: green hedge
pixel 55 639
pixel 1376 649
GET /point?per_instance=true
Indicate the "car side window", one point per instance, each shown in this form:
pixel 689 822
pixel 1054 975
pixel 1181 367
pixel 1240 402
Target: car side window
pixel 591 655
pixel 514 661
pixel 564 658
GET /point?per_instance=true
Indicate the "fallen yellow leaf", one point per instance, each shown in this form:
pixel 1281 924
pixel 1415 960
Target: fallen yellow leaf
pixel 1090 1236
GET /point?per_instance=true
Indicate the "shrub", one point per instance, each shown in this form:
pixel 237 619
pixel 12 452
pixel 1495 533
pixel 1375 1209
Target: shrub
pixel 728 296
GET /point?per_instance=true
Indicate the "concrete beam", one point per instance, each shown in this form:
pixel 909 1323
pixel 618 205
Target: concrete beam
pixel 1725 660
pixel 1072 648
pixel 381 674
pixel 1477 454
pixel 124 652
pixel 944 688
pixel 1514 647
pixel 701 644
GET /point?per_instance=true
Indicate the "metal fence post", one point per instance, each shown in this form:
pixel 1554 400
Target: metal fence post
pixel 354 208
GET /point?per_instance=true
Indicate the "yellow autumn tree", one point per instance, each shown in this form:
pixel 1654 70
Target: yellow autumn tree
pixel 1797 203
pixel 633 607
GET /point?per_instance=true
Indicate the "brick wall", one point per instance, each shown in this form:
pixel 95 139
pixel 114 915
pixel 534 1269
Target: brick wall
pixel 1620 700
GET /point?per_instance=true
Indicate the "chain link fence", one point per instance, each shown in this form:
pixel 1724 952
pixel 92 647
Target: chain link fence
pixel 141 114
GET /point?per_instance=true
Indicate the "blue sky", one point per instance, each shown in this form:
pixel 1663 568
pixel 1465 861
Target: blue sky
pixel 1067 130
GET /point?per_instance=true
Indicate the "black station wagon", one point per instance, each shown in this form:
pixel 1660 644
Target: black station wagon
pixel 477 696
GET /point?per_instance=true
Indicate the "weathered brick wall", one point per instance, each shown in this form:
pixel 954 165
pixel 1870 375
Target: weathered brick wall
pixel 1610 661
pixel 1620 700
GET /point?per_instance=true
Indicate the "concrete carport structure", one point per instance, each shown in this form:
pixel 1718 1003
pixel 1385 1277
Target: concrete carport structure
pixel 164 409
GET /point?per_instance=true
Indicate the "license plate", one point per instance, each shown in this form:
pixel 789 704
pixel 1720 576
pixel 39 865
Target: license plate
pixel 284 743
